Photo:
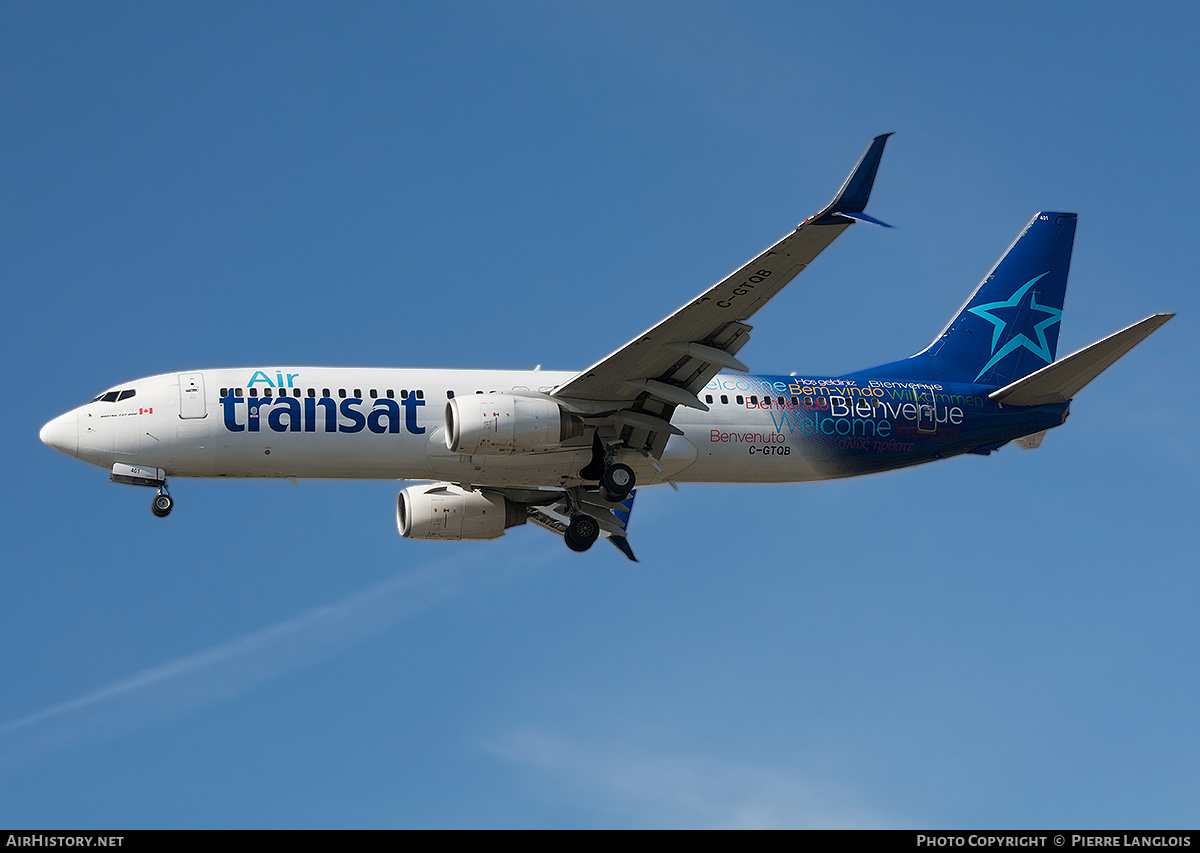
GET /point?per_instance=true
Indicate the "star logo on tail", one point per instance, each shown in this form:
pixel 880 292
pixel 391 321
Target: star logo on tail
pixel 1019 341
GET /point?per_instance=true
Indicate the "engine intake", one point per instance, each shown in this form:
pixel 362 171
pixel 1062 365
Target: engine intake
pixel 446 511
pixel 501 424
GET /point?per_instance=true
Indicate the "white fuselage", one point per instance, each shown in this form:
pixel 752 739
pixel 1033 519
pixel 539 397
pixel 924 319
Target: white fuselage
pixel 382 424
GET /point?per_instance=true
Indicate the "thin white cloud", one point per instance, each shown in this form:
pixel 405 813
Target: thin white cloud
pixel 682 791
pixel 233 667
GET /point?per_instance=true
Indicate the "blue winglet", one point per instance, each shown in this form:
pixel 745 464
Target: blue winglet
pixel 862 217
pixel 851 200
pixel 622 516
pixel 623 510
pixel 623 546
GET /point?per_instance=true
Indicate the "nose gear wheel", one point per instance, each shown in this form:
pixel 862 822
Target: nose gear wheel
pixel 162 504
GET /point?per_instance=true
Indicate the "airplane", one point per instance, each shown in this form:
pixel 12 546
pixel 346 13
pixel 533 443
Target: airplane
pixel 564 450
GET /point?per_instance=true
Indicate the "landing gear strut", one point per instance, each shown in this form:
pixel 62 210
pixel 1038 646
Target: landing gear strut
pixel 617 482
pixel 162 503
pixel 582 532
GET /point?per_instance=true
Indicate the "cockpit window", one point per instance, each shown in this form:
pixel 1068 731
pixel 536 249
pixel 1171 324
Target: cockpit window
pixel 113 396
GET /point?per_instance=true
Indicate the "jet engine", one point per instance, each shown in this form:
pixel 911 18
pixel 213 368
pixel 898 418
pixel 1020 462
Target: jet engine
pixel 446 511
pixel 500 424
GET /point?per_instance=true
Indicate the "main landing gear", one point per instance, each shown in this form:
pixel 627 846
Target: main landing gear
pixel 617 482
pixel 162 503
pixel 582 532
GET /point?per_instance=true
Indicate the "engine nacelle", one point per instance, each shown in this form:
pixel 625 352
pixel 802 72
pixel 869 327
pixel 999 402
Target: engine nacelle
pixel 446 511
pixel 501 424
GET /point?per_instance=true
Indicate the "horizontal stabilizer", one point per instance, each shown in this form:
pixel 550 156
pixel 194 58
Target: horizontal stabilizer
pixel 1062 380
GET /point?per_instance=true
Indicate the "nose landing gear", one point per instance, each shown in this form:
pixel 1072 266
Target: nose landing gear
pixel 162 503
pixel 139 475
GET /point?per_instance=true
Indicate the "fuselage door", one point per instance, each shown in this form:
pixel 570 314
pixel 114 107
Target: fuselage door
pixel 191 395
pixel 926 411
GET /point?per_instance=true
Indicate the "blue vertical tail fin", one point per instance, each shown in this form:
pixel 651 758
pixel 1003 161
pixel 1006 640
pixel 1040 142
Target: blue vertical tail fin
pixel 1009 326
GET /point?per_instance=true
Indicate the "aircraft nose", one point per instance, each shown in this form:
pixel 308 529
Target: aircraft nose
pixel 62 433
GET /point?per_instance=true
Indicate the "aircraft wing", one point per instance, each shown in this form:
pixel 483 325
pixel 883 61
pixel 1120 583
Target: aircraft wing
pixel 668 365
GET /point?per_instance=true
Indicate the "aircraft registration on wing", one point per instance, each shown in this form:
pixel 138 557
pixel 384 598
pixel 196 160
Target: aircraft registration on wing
pixel 675 405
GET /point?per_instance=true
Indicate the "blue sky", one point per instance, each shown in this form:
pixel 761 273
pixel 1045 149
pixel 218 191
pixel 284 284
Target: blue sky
pixel 999 642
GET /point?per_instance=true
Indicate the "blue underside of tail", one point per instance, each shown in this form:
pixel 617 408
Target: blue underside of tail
pixel 1009 327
